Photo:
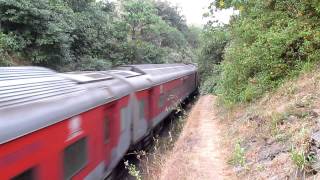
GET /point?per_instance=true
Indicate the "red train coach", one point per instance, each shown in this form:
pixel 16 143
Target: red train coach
pixel 170 84
pixel 79 125
pixel 47 125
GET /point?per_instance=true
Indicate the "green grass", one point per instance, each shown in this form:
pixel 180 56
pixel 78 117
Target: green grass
pixel 133 170
pixel 238 157
pixel 298 158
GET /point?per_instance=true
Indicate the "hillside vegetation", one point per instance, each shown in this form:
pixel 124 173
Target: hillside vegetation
pixel 265 44
pixel 263 66
pixel 271 137
pixel 93 35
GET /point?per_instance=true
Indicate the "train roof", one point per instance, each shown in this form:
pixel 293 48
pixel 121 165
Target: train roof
pixel 136 77
pixel 119 82
pixel 160 73
pixel 26 84
pixel 108 82
pixel 34 93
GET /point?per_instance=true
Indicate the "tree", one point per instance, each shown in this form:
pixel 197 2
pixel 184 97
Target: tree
pixel 193 36
pixel 40 27
pixel 139 15
pixel 79 5
pixel 171 15
pixel 270 41
pixel 87 34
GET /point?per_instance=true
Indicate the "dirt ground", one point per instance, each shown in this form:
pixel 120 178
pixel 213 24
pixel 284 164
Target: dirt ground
pixel 198 153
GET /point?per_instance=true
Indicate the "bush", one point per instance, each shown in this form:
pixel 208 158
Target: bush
pixel 269 44
pixel 210 82
pixel 7 45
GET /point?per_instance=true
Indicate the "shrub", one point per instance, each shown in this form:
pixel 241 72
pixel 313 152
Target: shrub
pixel 271 41
pixel 238 157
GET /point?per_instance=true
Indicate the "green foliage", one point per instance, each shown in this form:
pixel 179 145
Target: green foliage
pixel 270 41
pixel 88 34
pixel 213 42
pixel 151 32
pixel 40 28
pixel 7 44
pixel 140 16
pixel 238 157
pixel 193 36
pixel 133 170
pixel 210 79
pixel 171 15
pixel 79 5
pixel 298 158
pixel 145 52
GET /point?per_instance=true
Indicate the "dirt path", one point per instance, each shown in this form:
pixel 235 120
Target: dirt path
pixel 198 153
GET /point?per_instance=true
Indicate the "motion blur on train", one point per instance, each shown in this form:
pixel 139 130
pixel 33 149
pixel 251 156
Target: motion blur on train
pixel 79 125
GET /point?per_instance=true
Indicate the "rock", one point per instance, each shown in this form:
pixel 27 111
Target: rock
pixel 316 166
pixel 313 114
pixel 300 104
pixel 315 139
pixel 317 111
pixel 314 151
pixel 270 141
pixel 239 169
pixel 269 152
pixel 292 118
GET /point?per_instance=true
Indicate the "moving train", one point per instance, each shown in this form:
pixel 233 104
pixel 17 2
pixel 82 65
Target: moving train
pixel 79 125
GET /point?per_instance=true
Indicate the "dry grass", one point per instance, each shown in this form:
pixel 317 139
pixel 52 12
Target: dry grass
pixel 152 162
pixel 269 128
pixel 197 153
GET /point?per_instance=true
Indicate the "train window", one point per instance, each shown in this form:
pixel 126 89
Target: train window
pixel 75 158
pixel 26 175
pixel 141 109
pixel 106 130
pixel 162 100
pixel 124 118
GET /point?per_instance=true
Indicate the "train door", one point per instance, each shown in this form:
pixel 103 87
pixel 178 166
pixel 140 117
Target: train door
pixel 140 113
pixel 153 106
pixel 111 131
pixel 117 132
pixel 126 121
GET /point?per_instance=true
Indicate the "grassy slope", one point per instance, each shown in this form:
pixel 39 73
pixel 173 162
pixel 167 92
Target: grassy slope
pixel 274 132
